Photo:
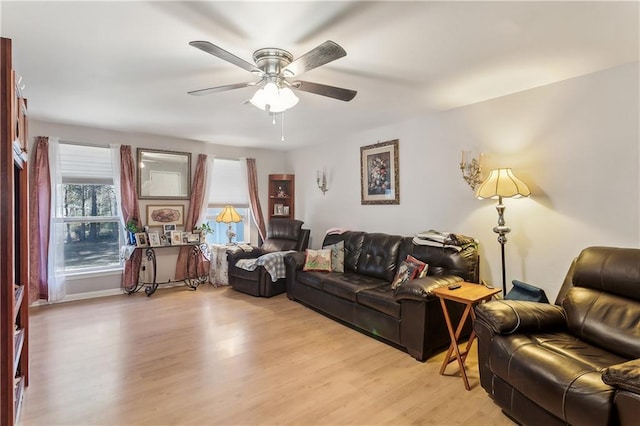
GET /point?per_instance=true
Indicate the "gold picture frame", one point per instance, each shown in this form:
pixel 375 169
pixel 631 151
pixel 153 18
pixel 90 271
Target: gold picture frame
pixel 165 214
pixel 380 173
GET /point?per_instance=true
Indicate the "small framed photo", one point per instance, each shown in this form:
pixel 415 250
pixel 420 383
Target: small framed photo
pixel 193 238
pixel 168 228
pixel 176 238
pixel 285 210
pixel 141 239
pixel 154 239
pixel 278 209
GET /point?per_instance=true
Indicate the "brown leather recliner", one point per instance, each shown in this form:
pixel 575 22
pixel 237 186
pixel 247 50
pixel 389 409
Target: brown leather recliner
pixel 576 362
pixel 282 235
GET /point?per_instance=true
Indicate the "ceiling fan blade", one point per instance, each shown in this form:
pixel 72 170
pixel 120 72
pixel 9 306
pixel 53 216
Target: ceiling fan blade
pixel 324 90
pixel 323 54
pixel 217 89
pixel 214 50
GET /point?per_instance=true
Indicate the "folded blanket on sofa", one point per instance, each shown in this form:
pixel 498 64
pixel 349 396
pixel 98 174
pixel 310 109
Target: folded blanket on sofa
pixel 273 263
pixel 443 239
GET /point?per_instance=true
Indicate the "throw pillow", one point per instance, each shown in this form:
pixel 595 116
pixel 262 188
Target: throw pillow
pixel 405 272
pixel 337 256
pixel 317 260
pixel 422 267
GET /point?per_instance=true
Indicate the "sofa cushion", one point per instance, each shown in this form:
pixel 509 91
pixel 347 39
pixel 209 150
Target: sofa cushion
pixel 611 269
pixel 381 299
pixel 604 319
pixel 337 256
pixel 311 278
pixel 317 260
pixel 379 256
pixel 558 372
pixel 348 285
pixel 352 247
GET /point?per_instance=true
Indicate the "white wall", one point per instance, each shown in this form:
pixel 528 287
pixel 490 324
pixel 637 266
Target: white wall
pixel 576 144
pixel 267 162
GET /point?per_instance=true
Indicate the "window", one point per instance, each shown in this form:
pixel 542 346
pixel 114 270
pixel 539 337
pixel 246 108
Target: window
pixel 88 211
pixel 229 187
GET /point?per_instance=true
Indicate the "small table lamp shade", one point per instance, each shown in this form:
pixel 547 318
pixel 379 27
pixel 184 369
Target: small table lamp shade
pixel 229 215
pixel 502 183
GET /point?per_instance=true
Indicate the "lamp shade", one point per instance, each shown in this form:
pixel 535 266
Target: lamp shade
pixel 274 98
pixel 502 183
pixel 228 215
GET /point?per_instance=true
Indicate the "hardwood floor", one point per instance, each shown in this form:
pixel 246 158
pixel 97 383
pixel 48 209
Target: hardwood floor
pixel 216 356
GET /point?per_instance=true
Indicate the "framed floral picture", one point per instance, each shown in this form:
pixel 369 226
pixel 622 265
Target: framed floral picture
pixel 165 214
pixel 379 173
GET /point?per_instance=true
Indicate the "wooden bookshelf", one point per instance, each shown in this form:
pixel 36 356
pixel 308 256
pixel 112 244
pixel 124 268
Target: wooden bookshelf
pixel 282 196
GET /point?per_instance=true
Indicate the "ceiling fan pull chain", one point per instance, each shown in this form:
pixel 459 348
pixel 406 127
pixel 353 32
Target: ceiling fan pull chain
pixel 282 128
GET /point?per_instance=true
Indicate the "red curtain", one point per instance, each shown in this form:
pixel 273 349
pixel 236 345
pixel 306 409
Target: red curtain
pixel 254 200
pixel 39 219
pixel 130 211
pixel 195 206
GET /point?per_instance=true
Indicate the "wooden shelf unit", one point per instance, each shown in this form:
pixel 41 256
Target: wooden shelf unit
pixel 282 196
pixel 14 242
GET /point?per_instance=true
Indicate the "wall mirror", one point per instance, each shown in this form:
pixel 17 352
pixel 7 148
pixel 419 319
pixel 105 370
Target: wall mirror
pixel 164 174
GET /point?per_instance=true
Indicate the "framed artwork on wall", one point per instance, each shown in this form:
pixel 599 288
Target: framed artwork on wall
pixel 379 173
pixel 165 214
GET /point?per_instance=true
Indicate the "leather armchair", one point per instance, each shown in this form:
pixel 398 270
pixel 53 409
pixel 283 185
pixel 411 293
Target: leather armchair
pixel 282 235
pixel 576 362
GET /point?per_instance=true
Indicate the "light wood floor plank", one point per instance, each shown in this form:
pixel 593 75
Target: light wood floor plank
pixel 217 357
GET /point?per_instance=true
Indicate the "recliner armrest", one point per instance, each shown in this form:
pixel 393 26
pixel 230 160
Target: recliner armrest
pixel 420 288
pixel 625 376
pixel 512 316
pixel 234 256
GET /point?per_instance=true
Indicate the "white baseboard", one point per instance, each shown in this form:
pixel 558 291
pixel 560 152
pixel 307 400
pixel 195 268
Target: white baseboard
pixel 100 293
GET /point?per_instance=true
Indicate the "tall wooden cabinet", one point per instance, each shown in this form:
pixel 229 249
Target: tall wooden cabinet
pixel 14 242
pixel 282 196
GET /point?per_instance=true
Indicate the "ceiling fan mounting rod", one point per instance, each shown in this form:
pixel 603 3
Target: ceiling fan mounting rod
pixel 272 60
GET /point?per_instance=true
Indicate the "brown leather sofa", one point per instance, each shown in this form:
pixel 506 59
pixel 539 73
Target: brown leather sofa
pixel 409 318
pixel 282 235
pixel 576 362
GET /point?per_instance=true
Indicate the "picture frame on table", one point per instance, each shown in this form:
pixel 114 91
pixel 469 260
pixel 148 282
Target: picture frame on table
pixel 380 173
pixel 141 239
pixel 278 209
pixel 165 214
pixel 285 210
pixel 154 239
pixel 193 238
pixel 176 238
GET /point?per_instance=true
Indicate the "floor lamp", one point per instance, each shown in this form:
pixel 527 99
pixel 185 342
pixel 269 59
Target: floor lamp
pixel 502 183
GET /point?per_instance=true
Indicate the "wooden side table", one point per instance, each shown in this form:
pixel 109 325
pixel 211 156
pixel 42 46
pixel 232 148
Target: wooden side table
pixel 468 294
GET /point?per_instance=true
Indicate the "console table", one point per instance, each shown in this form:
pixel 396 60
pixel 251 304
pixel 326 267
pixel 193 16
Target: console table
pixel 193 279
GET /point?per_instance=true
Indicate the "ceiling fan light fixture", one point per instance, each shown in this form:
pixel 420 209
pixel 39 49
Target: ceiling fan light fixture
pixel 274 99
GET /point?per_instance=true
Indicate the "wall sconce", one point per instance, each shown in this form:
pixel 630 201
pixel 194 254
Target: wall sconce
pixel 322 183
pixel 471 170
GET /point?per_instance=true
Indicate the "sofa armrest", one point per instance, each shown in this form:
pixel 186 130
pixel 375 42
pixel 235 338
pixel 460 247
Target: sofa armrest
pixel 294 261
pixel 514 316
pixel 625 376
pixel 420 288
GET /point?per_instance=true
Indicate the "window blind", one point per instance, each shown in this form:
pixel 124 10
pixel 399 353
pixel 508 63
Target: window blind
pixel 229 183
pixel 85 164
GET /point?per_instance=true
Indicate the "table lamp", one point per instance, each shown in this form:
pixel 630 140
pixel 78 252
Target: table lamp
pixel 229 215
pixel 502 183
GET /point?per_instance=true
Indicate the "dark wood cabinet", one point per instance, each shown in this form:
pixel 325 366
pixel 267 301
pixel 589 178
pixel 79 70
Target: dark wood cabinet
pixel 14 242
pixel 282 195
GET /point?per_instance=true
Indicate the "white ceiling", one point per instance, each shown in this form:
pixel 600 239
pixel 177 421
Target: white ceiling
pixel 128 66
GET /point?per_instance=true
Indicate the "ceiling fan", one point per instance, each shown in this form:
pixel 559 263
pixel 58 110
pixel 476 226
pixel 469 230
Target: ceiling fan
pixel 275 69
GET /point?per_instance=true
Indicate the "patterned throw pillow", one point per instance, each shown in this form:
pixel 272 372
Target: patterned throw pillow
pixel 422 267
pixel 337 256
pixel 317 260
pixel 405 272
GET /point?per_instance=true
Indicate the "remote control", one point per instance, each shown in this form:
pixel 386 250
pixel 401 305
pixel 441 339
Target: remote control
pixel 454 286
